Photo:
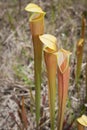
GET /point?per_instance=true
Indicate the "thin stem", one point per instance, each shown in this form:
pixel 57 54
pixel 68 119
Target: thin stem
pixel 86 82
pixel 37 66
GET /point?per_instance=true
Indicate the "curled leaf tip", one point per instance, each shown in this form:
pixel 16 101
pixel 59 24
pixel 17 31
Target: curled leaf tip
pixel 49 42
pixel 65 51
pixel 34 8
pixel 82 120
pixel 63 59
pixel 80 42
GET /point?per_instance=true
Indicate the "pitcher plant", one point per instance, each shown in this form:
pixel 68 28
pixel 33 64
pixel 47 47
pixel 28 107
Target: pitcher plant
pixel 50 47
pixel 63 72
pixel 36 22
pixel 82 122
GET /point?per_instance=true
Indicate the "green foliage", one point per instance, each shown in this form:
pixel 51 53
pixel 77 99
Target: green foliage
pixel 68 103
pixel 11 20
pixel 20 74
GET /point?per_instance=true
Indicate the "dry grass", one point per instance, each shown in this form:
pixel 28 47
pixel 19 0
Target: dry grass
pixel 63 19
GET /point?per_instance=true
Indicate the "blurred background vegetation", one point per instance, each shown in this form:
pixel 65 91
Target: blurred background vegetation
pixel 63 20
